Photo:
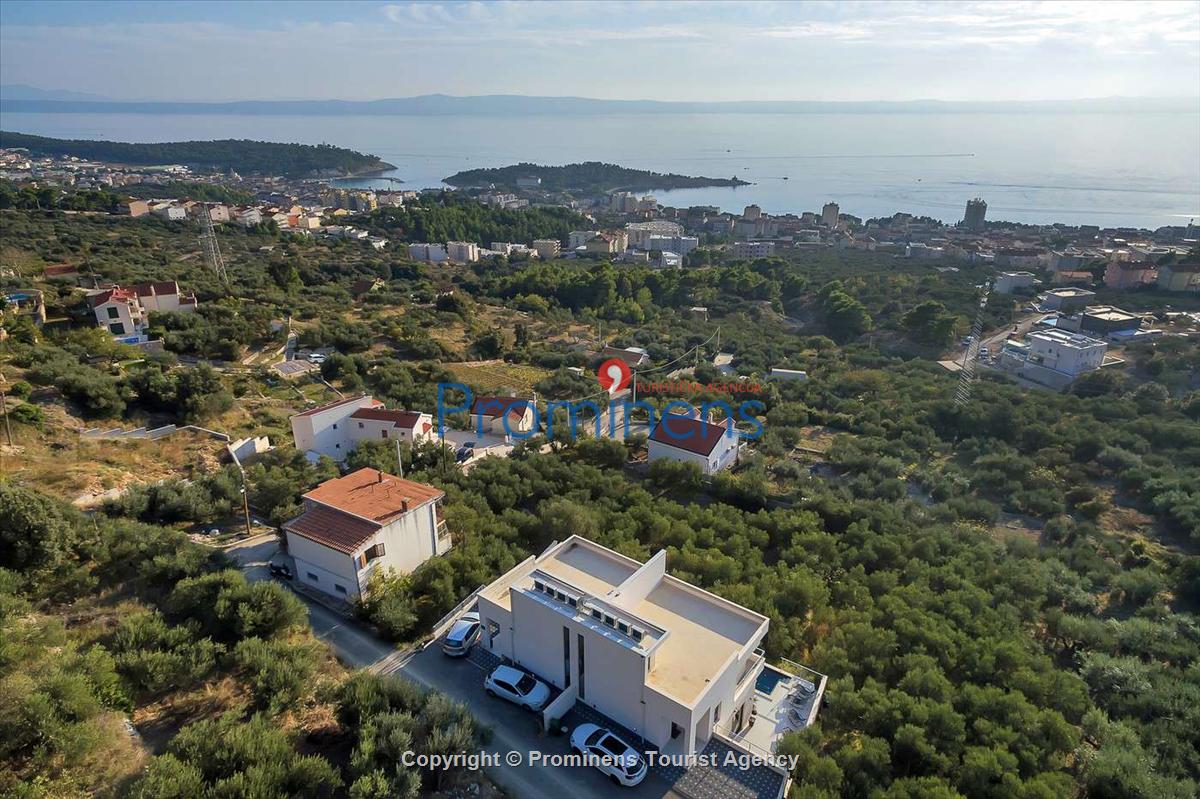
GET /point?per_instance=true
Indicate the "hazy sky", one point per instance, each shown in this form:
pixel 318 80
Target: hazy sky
pixel 653 50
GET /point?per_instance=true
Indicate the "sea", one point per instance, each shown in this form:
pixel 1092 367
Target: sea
pixel 1113 169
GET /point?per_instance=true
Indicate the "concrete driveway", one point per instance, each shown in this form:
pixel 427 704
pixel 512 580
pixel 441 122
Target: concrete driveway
pixel 517 730
pixel 513 729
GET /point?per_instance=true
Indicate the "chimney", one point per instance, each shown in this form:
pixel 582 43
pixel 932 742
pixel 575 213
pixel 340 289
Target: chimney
pixel 404 505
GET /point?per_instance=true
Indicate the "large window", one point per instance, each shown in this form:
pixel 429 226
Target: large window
pixel 112 313
pixel 579 641
pixel 566 658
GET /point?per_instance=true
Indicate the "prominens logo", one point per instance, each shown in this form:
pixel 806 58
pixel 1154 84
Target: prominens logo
pixel 614 376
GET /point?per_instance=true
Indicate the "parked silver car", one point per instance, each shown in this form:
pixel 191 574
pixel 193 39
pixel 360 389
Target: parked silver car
pixel 517 687
pixel 462 636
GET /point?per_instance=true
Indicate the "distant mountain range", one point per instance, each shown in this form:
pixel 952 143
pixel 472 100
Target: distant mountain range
pixel 17 99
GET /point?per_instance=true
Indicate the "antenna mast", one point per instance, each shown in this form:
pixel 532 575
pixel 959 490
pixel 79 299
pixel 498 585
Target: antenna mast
pixel 208 242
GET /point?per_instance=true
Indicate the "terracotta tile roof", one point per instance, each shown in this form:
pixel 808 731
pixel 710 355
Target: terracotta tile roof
pixel 334 404
pixel 495 407
pixel 405 420
pixel 59 270
pixel 689 434
pixel 161 288
pixel 116 293
pixel 373 495
pixel 334 529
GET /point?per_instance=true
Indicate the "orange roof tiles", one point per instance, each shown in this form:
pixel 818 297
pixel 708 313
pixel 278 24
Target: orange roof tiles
pixel 373 495
pixel 332 528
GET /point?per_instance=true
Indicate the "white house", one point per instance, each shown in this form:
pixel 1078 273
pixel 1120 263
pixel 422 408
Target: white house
pixel 667 660
pixel 364 521
pixel 502 416
pixel 335 429
pixel 712 447
pixel 1052 357
pixel 170 211
pixel 125 312
pixel 1008 282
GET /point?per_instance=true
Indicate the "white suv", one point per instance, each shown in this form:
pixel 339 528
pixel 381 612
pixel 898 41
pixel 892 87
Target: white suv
pixel 620 761
pixel 517 687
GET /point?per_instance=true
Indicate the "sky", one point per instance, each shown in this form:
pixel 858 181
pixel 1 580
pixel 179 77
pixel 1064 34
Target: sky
pixel 677 50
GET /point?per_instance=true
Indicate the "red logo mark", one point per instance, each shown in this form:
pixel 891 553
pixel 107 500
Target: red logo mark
pixel 614 375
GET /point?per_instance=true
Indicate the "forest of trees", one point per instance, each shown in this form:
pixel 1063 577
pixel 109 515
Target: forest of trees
pixel 592 177
pixel 239 155
pixel 447 218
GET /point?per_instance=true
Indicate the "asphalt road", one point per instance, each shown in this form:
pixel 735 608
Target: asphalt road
pixel 513 729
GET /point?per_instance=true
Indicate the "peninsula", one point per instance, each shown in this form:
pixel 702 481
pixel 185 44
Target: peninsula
pixel 590 176
pixel 238 155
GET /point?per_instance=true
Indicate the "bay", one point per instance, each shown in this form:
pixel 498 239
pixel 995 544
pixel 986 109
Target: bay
pixel 1104 168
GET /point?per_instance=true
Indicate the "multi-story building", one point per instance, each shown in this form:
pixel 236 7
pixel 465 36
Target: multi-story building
pixel 639 233
pixel 976 212
pixel 335 429
pixel 680 245
pixel 364 521
pixel 669 661
pixel 1101 320
pixel 133 207
pixel 462 252
pixel 752 213
pixel 752 249
pixel 1129 274
pixel 1008 282
pixel 579 238
pixel 547 249
pixel 433 253
pixel 829 215
pixel 169 211
pixel 1053 358
pixel 1179 277
pixel 125 312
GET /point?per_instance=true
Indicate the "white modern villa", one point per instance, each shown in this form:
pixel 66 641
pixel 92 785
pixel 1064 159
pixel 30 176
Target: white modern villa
pixel 671 662
pixel 336 428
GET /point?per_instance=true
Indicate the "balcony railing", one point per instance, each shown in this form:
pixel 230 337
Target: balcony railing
pixel 753 664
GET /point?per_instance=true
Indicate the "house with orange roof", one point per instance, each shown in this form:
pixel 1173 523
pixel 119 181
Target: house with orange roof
pixel 367 520
pixel 125 311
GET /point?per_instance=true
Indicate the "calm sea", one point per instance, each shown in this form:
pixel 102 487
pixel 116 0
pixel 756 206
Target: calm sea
pixel 1132 169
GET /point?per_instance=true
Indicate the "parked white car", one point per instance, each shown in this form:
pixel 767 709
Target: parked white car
pixel 317 358
pixel 517 687
pixel 462 635
pixel 620 761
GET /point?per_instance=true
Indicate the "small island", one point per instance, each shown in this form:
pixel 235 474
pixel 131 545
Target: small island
pixel 239 155
pixel 588 177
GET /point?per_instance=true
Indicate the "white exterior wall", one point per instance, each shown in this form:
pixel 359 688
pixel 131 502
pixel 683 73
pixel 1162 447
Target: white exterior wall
pixel 495 425
pixel 1065 358
pixel 407 542
pixel 123 317
pixel 330 566
pixel 721 457
pixel 316 432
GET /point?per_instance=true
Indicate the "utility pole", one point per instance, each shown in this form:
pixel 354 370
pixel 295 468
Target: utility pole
pixel 4 411
pixel 245 497
pixel 399 460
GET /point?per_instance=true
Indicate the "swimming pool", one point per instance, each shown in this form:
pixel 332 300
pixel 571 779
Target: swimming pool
pixel 768 678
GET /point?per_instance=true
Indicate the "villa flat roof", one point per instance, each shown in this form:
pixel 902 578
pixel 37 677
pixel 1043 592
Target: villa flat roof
pixel 1066 338
pixel 690 633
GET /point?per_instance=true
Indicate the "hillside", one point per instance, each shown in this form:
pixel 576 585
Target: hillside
pixel 590 176
pixel 240 155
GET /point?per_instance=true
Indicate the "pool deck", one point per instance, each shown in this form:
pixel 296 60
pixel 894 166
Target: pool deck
pixel 784 708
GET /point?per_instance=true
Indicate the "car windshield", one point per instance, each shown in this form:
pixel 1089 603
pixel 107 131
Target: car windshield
pixel 594 738
pixel 525 684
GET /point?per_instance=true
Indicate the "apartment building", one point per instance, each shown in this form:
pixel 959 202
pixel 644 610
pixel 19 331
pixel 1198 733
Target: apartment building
pixel 364 521
pixel 1179 277
pixel 640 232
pixel 547 249
pixel 1066 299
pixel 669 661
pixel 462 252
pixel 578 238
pixel 752 249
pixel 433 253
pixel 1008 282
pixel 335 429
pixel 1129 274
